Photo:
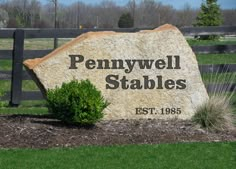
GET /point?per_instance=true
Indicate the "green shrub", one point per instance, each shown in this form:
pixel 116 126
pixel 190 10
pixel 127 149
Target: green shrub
pixel 76 102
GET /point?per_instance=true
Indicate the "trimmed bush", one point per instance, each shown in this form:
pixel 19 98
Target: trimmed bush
pixel 76 102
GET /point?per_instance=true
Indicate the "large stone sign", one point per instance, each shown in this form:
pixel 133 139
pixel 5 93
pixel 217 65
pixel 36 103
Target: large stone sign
pixel 149 74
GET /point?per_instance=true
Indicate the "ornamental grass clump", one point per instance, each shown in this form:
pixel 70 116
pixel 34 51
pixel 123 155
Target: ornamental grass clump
pixel 218 112
pixel 76 103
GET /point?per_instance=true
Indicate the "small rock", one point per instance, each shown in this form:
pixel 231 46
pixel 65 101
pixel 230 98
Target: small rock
pixel 201 131
pixel 216 140
pixel 67 145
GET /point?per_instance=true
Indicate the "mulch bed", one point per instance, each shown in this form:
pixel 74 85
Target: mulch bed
pixel 30 131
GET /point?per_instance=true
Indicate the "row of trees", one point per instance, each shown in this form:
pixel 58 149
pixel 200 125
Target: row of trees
pixel 145 13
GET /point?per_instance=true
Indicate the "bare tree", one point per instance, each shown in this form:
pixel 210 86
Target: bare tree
pixel 132 8
pixel 3 18
pixel 55 3
pixel 146 13
pixel 107 14
pixel 77 15
pixel 229 16
pixel 55 21
pixel 34 12
pixel 185 16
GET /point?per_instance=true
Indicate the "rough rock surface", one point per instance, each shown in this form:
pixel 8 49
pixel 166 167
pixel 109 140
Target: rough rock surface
pixel 53 69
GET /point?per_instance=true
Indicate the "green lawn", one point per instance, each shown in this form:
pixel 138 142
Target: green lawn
pixel 216 58
pixel 32 44
pixel 5 64
pixel 165 156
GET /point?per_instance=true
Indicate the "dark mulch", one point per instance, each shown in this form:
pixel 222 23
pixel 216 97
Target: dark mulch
pixel 44 132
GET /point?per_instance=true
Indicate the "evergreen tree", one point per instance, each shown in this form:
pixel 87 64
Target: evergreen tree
pixel 126 21
pixel 210 15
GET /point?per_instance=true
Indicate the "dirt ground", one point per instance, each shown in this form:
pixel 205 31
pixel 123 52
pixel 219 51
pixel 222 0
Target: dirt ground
pixel 30 131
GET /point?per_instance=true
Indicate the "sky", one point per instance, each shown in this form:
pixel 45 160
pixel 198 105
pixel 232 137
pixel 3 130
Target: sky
pixel 178 4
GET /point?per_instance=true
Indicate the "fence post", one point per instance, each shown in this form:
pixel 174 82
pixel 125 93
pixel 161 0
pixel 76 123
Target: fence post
pixel 17 68
pixel 55 43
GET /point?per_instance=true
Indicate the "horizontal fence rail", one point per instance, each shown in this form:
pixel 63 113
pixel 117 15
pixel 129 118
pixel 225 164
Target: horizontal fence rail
pixel 26 95
pixel 7 75
pixel 62 33
pixel 215 49
pixel 218 68
pixel 217 88
pixel 211 30
pixel 18 74
pixel 71 33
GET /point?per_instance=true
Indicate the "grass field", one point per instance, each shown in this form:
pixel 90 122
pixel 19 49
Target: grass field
pixel 165 156
pixel 32 44
pixel 216 58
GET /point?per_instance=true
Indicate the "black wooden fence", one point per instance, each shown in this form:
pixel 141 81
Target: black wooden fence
pixel 18 55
